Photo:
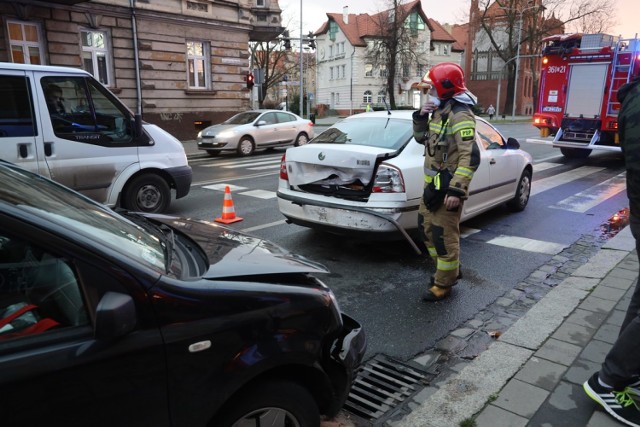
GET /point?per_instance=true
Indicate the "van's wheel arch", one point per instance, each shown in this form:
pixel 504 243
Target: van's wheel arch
pixel 147 192
pixel 284 400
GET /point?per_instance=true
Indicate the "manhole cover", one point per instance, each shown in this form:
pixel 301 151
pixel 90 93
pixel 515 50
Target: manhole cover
pixel 381 386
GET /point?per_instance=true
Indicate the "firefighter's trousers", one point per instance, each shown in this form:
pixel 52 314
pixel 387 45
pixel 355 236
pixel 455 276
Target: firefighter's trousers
pixel 441 231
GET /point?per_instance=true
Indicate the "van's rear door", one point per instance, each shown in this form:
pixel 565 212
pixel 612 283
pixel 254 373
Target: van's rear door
pixel 20 135
pixel 89 145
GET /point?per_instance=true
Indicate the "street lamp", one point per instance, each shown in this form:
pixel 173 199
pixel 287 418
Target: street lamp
pixel 515 83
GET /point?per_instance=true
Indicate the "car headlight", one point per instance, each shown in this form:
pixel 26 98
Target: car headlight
pixel 226 134
pixel 199 135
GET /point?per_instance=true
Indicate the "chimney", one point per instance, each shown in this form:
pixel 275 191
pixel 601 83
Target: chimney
pixel 345 15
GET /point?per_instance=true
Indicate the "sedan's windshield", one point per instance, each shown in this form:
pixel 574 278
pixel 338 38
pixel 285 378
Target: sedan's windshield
pixel 243 118
pixel 381 132
pixel 62 206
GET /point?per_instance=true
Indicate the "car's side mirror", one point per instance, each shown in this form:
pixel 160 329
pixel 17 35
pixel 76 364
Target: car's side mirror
pixel 513 144
pixel 261 123
pixel 115 316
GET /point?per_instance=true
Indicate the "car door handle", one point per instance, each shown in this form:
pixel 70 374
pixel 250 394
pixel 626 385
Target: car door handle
pixel 48 149
pixel 23 150
pixel 492 161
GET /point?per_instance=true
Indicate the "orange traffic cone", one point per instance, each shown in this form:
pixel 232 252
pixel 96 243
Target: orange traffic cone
pixel 228 212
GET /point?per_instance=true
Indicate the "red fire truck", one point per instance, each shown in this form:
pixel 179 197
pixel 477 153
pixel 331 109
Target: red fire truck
pixel 579 81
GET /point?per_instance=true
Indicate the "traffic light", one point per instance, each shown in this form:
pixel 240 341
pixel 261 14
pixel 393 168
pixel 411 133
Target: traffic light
pixel 312 42
pixel 286 39
pixel 250 81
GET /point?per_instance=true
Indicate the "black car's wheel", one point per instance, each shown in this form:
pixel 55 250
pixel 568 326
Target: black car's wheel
pixel 213 153
pixel 274 403
pixel 246 146
pixel 574 153
pixel 520 200
pixel 302 139
pixel 146 193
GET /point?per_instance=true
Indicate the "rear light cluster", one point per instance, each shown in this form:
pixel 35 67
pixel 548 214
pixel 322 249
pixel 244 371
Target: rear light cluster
pixel 283 168
pixel 388 180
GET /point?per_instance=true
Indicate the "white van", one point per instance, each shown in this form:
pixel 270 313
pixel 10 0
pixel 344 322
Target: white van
pixel 61 123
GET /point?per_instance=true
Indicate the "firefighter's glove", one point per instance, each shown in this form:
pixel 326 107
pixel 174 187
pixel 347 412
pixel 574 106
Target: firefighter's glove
pixel 434 192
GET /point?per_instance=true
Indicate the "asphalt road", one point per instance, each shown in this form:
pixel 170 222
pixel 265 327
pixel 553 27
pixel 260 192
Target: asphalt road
pixel 379 283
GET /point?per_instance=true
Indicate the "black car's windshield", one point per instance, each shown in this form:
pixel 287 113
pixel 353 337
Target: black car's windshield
pixel 62 206
pixel 243 118
pixel 381 132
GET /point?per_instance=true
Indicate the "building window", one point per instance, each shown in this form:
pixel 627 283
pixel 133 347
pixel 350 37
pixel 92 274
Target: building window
pixel 330 73
pixel 445 50
pixel 383 71
pixel 24 42
pixel 333 30
pixel 337 99
pixel 406 71
pixel 415 22
pixel 198 65
pixel 368 70
pixel 367 97
pixel 344 71
pixel 381 96
pixel 95 55
pixel 261 3
pixel 419 70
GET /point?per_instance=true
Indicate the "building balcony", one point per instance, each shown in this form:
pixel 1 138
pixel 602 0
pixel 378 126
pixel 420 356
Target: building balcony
pixel 266 24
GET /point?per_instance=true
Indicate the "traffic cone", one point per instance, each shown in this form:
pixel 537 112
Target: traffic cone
pixel 228 212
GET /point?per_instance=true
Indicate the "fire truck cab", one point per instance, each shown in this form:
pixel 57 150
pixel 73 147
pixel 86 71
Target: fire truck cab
pixel 577 98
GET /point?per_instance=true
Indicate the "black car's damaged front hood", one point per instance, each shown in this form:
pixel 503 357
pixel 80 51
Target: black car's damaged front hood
pixel 235 254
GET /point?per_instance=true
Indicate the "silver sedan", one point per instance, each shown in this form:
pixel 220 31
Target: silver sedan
pixel 247 131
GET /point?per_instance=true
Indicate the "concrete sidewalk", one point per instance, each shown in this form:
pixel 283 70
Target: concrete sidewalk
pixel 532 374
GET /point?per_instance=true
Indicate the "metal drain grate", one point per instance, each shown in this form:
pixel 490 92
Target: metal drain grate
pixel 381 385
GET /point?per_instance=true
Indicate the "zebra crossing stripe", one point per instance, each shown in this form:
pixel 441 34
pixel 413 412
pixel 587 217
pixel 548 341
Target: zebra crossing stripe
pixel 562 178
pixel 221 187
pixel 260 163
pixel 543 166
pixel 218 163
pixel 260 194
pixel 587 199
pixel 529 245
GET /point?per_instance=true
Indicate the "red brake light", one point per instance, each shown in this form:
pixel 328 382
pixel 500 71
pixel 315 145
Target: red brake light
pixel 310 123
pixel 283 169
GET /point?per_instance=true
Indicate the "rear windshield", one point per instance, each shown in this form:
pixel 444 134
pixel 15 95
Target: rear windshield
pixel 379 132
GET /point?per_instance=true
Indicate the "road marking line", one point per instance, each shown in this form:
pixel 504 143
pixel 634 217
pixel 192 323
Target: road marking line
pixel 219 163
pixel 221 187
pixel 246 165
pixel 260 194
pixel 265 167
pixel 468 231
pixel 585 200
pixel 237 178
pixel 539 167
pixel 529 245
pixel 260 227
pixel 562 178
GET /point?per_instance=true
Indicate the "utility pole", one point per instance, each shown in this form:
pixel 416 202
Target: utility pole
pixel 301 65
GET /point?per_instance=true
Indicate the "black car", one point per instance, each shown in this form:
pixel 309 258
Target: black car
pixel 118 319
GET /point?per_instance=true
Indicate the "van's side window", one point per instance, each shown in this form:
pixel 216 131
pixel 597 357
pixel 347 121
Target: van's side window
pixel 83 111
pixel 16 108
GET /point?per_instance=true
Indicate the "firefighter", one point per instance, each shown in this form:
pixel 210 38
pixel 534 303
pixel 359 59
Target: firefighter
pixel 617 383
pixel 451 158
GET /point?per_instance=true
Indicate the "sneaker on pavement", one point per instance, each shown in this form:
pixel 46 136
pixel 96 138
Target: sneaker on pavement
pixel 619 404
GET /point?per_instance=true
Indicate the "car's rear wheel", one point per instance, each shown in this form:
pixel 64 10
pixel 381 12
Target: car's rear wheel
pixel 146 193
pixel 302 139
pixel 246 146
pixel 523 191
pixel 275 403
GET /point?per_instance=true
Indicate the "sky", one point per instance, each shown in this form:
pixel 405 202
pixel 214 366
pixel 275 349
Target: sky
pixel 449 11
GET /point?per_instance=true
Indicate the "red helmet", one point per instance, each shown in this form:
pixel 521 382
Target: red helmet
pixel 447 78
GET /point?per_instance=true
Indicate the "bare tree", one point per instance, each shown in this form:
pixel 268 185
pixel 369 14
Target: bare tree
pixel 507 24
pixel 394 46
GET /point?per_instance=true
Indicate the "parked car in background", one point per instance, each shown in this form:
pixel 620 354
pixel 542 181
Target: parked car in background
pixel 130 319
pixel 64 124
pixel 365 175
pixel 248 131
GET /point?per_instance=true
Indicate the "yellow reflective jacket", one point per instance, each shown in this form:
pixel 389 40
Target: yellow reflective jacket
pixel 449 140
